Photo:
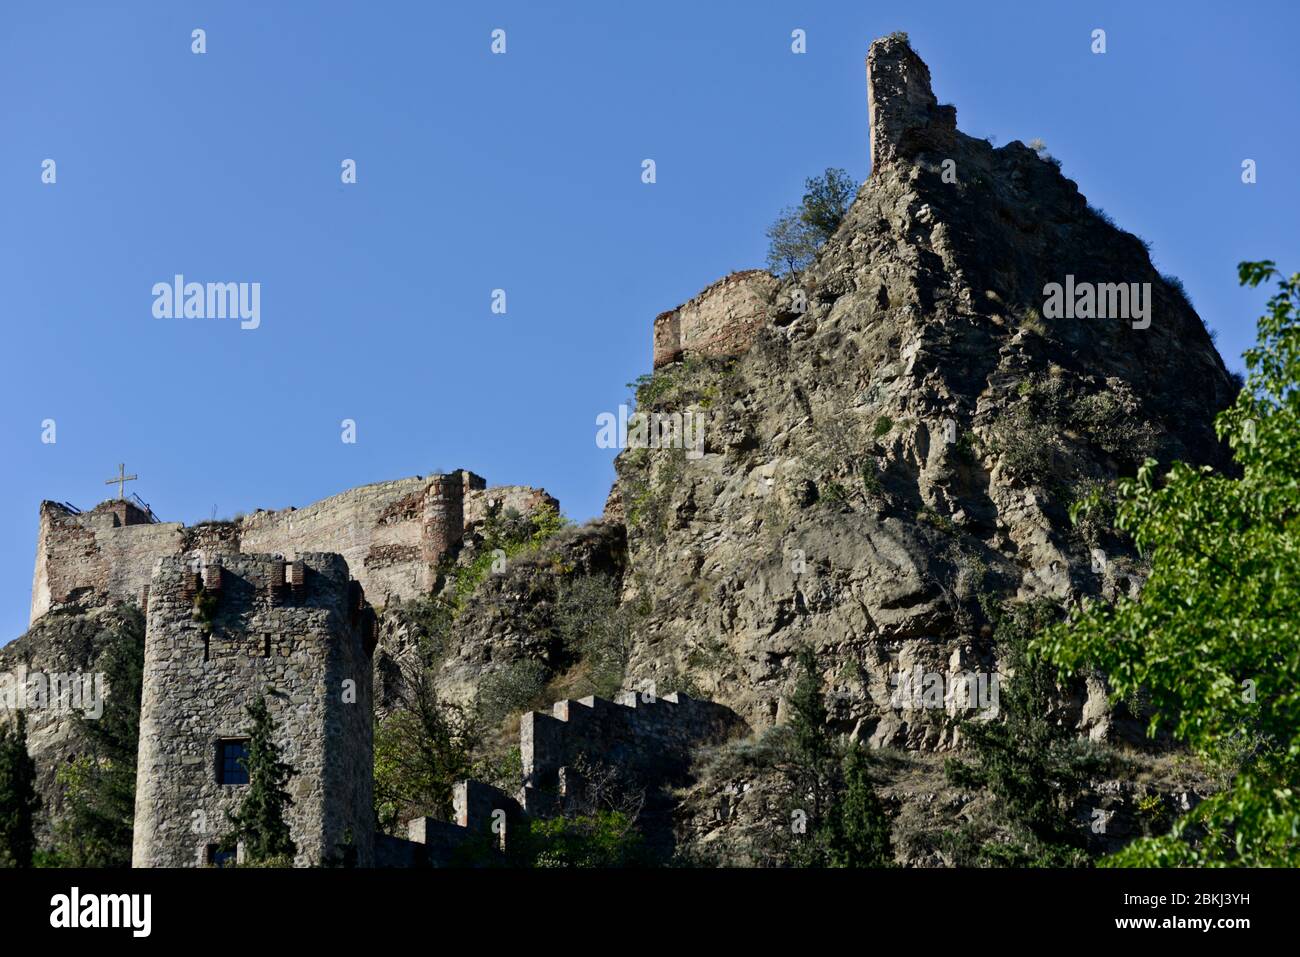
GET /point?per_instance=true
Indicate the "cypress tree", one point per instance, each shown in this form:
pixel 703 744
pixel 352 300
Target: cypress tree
pixel 18 799
pixel 260 821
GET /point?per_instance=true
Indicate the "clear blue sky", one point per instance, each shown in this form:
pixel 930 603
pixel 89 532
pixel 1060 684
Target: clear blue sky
pixel 519 172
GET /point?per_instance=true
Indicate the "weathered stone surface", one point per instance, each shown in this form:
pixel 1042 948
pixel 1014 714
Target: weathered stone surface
pixel 720 321
pixel 510 616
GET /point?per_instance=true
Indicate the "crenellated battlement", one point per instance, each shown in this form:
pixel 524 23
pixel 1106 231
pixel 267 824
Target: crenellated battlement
pixel 647 740
pixel 641 734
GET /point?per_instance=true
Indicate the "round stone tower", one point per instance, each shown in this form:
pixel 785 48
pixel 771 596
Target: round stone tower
pixel 444 520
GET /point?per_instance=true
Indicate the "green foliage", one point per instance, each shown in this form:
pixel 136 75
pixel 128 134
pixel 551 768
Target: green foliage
pixel 422 748
pixel 260 821
pixel 601 839
pixel 679 384
pixel 95 829
pixel 872 487
pixel 1093 511
pixel 942 523
pixel 884 425
pixel 1210 642
pixel 1028 436
pixel 1152 813
pixel 512 688
pixel 791 243
pixel 846 469
pixel 1179 290
pixel 859 824
pixel 428 619
pixel 19 802
pixel 205 609
pixel 650 493
pixel 814 753
pixel 594 626
pixel 826 202
pixel 507 535
pixel 845 823
pixel 1032 766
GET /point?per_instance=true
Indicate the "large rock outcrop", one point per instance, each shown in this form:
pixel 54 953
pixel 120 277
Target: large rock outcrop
pixel 897 447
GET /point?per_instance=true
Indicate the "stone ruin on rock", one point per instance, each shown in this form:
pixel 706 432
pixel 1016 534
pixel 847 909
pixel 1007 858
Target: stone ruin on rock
pixel 719 321
pixel 928 286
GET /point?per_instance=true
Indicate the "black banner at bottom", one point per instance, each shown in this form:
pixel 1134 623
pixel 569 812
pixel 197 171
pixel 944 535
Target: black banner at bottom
pixel 732 906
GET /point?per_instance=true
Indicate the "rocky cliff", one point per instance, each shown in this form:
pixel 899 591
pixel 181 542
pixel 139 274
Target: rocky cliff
pixel 898 445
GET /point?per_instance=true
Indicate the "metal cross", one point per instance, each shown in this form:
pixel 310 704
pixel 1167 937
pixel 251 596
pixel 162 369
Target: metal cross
pixel 121 480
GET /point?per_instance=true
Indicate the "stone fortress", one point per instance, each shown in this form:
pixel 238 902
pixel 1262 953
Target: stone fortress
pixel 293 588
pixel 292 620
pixel 276 605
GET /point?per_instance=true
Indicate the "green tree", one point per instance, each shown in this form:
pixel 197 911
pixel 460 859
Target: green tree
pixel 260 823
pixel 424 744
pixel 1210 641
pixel 845 824
pixel 797 234
pixel 1033 766
pixel 99 786
pixel 19 802
pixel 859 823
pixel 600 839
pixel 421 749
pixel 791 243
pixel 813 762
pixel 826 202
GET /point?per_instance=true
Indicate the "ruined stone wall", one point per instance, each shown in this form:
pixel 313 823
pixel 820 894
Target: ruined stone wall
pixel 305 645
pixel 523 499
pixel 94 557
pixel 392 535
pixel 721 320
pixel 376 528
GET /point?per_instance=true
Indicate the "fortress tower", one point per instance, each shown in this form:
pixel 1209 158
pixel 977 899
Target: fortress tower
pixel 300 634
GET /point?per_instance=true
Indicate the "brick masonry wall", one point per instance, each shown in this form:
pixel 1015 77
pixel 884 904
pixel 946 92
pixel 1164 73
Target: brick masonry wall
pixel 721 320
pixel 197 689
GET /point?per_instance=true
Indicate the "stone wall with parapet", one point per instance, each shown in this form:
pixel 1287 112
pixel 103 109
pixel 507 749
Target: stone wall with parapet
pixel 384 531
pixel 645 739
pixel 299 634
pixel 722 320
pixel 648 743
